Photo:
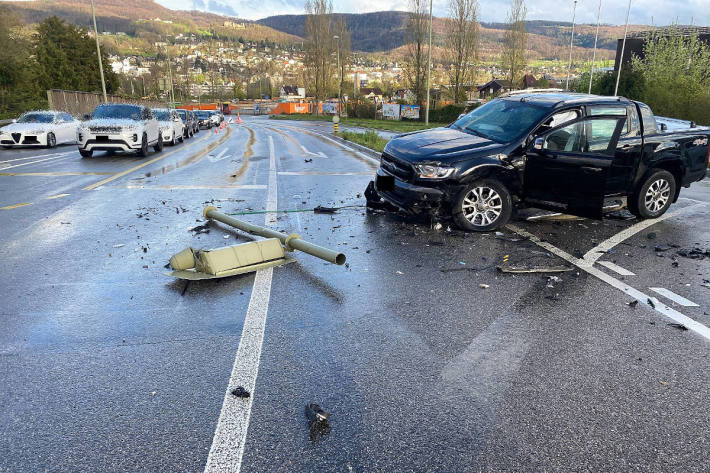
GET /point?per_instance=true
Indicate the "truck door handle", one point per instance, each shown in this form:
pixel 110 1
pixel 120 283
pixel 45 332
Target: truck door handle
pixel 626 147
pixel 591 169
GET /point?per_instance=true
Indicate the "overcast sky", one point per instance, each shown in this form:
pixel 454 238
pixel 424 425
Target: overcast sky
pixel 658 12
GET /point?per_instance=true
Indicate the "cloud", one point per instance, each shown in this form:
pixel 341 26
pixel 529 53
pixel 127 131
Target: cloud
pixel 613 11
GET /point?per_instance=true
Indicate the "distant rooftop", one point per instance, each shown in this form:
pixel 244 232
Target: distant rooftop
pixel 683 30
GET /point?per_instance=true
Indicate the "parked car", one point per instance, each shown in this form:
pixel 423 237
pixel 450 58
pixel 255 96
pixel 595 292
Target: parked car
pixel 203 119
pixel 119 127
pixel 214 117
pixel 195 122
pixel 189 125
pixel 171 126
pixel 560 151
pixel 41 128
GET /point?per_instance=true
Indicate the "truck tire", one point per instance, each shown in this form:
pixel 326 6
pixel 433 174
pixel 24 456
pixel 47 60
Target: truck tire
pixel 654 196
pixel 86 153
pixel 143 152
pixel 482 206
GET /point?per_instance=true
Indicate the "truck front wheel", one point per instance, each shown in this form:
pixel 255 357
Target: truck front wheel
pixel 482 206
pixel 655 195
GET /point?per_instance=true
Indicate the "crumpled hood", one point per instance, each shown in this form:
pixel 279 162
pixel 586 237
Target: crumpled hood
pixel 112 122
pixel 27 127
pixel 440 144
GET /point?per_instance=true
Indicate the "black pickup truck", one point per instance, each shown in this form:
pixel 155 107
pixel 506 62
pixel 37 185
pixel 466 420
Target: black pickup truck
pixel 561 151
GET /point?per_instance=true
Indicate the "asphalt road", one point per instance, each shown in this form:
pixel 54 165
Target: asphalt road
pixel 106 365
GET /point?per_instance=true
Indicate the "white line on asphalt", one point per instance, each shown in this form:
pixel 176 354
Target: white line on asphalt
pixel 595 253
pixel 616 268
pixel 231 433
pixel 316 173
pixel 674 297
pixel 214 159
pixel 635 293
pixel 60 155
pixel 188 187
pixel 352 150
pixel 31 157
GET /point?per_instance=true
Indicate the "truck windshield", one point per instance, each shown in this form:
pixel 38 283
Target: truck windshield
pixel 130 112
pixel 502 121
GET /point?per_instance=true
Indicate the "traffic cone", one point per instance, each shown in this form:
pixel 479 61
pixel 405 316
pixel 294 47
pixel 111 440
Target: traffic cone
pixel 239 119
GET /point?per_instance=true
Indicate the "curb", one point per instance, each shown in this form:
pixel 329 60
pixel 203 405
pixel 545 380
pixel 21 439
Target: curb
pixel 363 148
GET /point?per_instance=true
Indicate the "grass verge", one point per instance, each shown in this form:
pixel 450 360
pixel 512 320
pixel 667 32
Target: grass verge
pixel 386 125
pixel 370 139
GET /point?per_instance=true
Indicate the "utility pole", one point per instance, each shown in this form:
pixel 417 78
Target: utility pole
pixel 428 70
pixel 623 46
pixel 98 51
pixel 340 74
pixel 594 55
pixel 571 42
pixel 170 75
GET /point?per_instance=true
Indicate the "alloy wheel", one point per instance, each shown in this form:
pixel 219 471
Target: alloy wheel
pixel 482 206
pixel 657 195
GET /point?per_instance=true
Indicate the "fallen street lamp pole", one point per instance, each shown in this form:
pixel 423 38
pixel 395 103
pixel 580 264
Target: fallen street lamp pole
pixel 291 242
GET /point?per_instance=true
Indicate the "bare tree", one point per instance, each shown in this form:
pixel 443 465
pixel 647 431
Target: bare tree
pixel 417 33
pixel 515 41
pixel 319 44
pixel 461 42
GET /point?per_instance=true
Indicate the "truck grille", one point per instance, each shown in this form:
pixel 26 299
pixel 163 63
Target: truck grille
pixel 396 167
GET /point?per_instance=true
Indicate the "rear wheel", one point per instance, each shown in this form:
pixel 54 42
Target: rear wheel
pixel 86 153
pixel 51 140
pixel 655 195
pixel 483 206
pixel 143 152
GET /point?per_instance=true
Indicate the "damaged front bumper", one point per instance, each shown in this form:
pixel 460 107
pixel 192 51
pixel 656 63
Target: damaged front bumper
pixel 409 197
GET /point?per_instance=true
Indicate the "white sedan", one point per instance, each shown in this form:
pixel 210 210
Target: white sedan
pixel 42 128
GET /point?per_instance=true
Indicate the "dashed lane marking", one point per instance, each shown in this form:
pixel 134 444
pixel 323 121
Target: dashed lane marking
pixel 231 433
pixel 54 157
pixel 15 206
pixel 668 294
pixel 190 187
pixel 33 157
pixel 616 268
pixel 316 173
pixel 669 312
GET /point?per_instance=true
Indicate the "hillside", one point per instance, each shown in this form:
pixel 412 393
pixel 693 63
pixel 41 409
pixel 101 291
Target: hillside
pixel 382 31
pixel 144 18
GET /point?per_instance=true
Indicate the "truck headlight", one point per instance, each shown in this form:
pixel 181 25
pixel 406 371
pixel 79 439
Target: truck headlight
pixel 431 171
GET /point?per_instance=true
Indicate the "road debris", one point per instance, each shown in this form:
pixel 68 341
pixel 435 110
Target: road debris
pixel 240 392
pixel 120 245
pixel 551 280
pixel 653 302
pixel 534 269
pixel 484 286
pixel 694 253
pixel 318 421
pixel 205 228
pixel 325 210
pixel 633 303
pixel 553 217
pixel 308 160
pixel 680 327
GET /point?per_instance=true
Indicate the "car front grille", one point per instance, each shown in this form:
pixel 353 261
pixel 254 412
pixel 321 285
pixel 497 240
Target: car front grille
pixel 30 140
pixel 396 167
pixel 105 129
pixel 16 137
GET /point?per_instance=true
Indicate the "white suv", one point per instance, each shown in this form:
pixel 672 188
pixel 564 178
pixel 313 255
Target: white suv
pixel 171 125
pixel 119 127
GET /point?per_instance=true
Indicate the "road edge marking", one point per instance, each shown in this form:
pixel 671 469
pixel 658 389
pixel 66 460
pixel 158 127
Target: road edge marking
pixel 227 449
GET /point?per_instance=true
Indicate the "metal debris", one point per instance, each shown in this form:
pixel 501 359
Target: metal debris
pixel 325 210
pixel 633 303
pixel 678 326
pixel 240 392
pixel 318 421
pixel 534 269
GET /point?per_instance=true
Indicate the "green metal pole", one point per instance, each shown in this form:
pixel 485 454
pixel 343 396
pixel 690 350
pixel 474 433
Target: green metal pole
pixel 292 241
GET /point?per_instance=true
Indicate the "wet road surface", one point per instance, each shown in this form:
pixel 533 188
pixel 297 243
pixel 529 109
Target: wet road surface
pixel 108 366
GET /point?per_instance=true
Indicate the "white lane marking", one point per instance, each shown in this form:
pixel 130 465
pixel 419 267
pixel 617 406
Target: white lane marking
pixel 673 314
pixel 231 433
pixel 616 268
pixel 595 253
pixel 674 297
pixel 316 173
pixel 188 187
pixel 352 150
pixel 31 157
pixel 219 157
pixel 37 161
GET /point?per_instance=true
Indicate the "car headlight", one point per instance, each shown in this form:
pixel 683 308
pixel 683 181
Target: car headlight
pixel 431 171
